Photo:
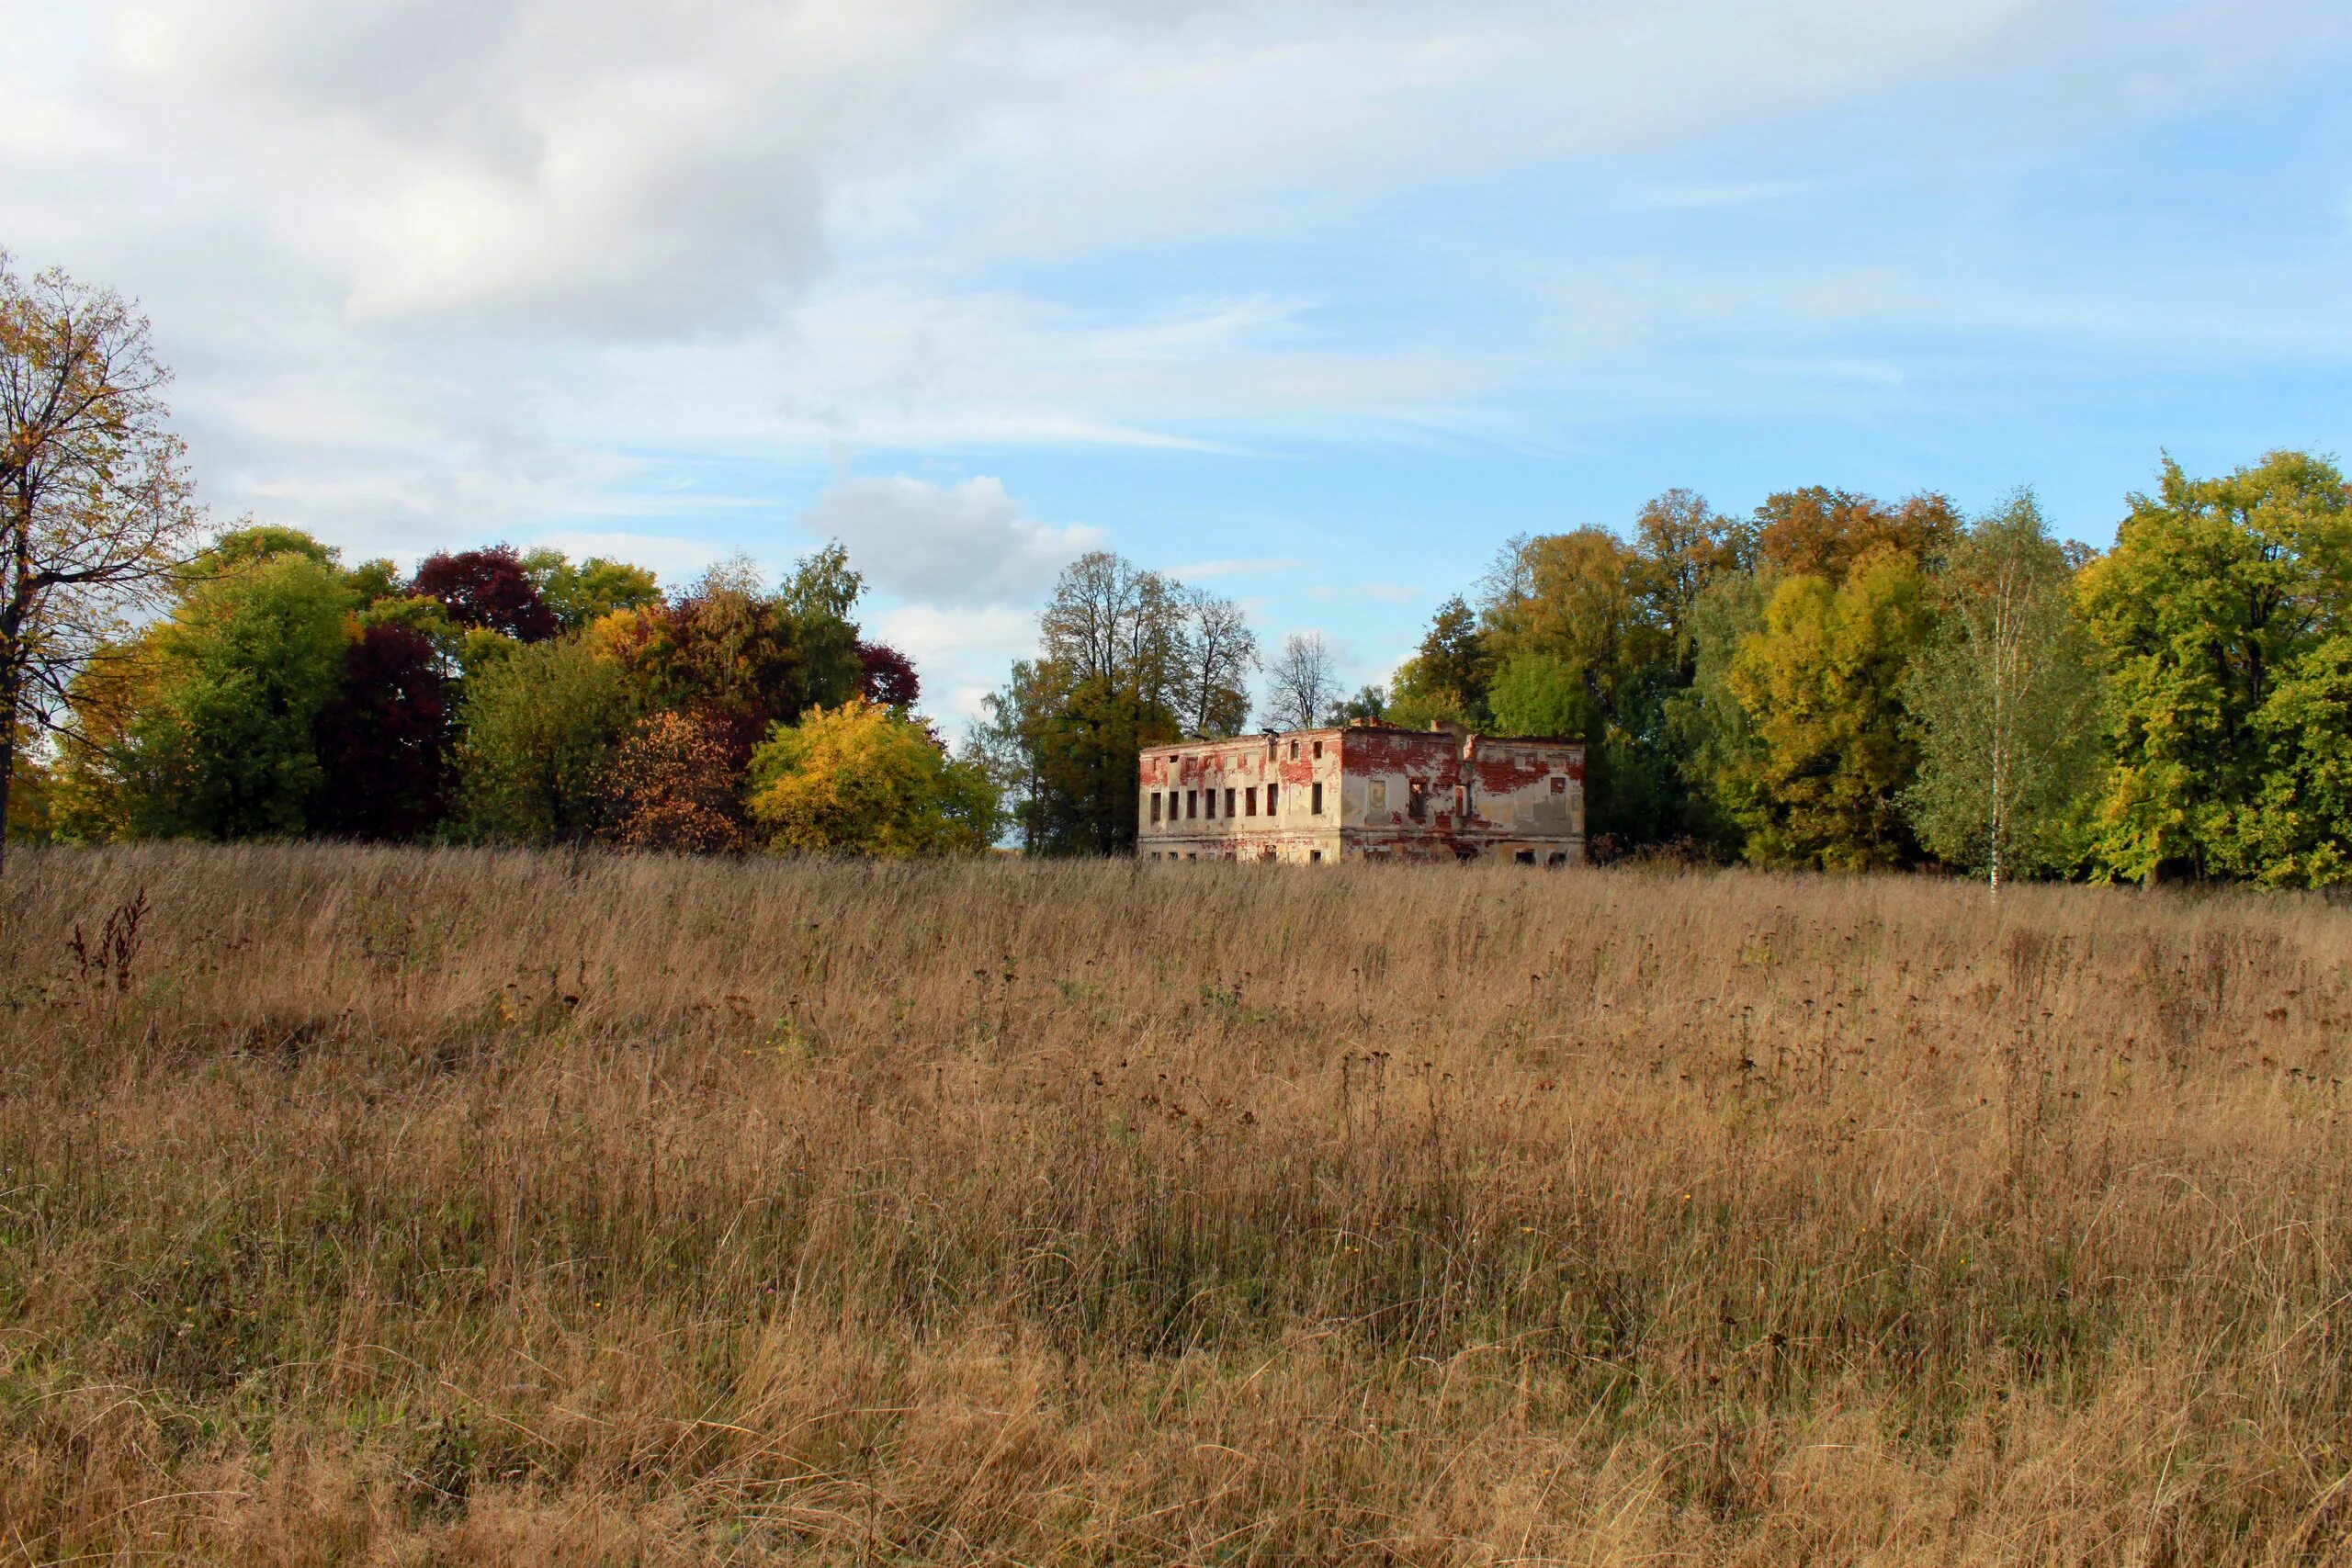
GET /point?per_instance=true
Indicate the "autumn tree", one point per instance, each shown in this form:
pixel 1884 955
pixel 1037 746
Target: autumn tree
pixel 540 727
pixel 1822 684
pixel 670 786
pixel 2217 590
pixel 385 742
pixel 752 658
pixel 487 589
pixel 2007 699
pixel 1822 533
pixel 886 676
pixel 98 515
pixel 1680 546
pixel 860 779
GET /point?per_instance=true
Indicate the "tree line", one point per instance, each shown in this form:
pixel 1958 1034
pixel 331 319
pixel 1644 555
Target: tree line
pixel 505 697
pixel 1831 681
pixel 1838 682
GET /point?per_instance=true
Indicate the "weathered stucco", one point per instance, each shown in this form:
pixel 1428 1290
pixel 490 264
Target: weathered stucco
pixel 1402 794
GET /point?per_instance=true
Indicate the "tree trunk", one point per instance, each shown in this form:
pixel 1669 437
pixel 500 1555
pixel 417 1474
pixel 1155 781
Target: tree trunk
pixel 11 691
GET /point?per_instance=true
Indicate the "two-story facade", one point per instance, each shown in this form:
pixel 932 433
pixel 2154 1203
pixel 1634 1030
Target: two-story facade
pixel 1364 792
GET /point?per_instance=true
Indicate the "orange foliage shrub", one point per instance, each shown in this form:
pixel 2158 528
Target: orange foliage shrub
pixel 673 786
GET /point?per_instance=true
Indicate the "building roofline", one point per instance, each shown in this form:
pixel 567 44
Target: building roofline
pixel 1256 737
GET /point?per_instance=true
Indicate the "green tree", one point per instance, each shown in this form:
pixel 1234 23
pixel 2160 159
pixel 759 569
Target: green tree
pixel 1002 743
pixel 1820 682
pixel 2298 831
pixel 2007 699
pixel 540 726
pixel 1112 676
pixel 579 592
pixel 1579 649
pixel 2216 589
pixel 241 672
pixel 1446 678
pixel 241 549
pixel 860 779
pixel 1369 705
pixel 1710 735
pixel 1089 742
pixel 1681 544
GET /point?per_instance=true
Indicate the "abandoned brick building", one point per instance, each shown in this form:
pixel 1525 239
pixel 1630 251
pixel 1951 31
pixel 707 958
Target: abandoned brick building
pixel 1364 792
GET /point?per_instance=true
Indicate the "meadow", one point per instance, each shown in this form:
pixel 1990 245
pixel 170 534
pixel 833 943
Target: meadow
pixel 403 1206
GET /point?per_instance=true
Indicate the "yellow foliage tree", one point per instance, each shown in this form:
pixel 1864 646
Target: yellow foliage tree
pixel 859 779
pixel 97 513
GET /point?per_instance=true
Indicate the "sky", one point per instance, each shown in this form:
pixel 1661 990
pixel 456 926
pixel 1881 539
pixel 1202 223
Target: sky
pixel 1315 304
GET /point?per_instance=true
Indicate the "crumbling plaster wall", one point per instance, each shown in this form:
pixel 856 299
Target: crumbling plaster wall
pixel 1478 795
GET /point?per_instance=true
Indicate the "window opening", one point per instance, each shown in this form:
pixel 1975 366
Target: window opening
pixel 1191 803
pixel 1416 800
pixel 1315 802
pixel 1229 803
pixel 1249 801
pixel 1155 808
pixel 1212 810
pixel 1273 792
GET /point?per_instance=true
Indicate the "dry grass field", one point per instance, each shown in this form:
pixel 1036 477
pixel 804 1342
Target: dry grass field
pixel 401 1206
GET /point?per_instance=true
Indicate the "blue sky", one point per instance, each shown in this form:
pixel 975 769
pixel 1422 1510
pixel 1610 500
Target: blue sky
pixel 1314 302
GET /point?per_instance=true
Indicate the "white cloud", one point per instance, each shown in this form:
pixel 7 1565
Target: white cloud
pixel 965 543
pixel 960 654
pixel 427 264
pixel 675 561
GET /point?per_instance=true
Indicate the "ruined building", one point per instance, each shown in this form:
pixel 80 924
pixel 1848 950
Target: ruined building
pixel 1363 791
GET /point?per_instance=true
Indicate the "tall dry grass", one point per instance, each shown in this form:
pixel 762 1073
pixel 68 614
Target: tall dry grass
pixel 402 1206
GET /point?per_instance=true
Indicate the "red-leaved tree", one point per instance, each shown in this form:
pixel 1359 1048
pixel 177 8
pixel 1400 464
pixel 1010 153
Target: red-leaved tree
pixel 384 745
pixel 487 588
pixel 887 676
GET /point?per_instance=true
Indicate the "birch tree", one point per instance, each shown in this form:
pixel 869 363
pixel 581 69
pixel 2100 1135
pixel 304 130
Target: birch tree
pixel 97 513
pixel 2005 694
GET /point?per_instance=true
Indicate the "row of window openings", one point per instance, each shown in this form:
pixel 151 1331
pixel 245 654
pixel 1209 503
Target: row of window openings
pixel 1417 804
pixel 1229 855
pixel 1248 801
